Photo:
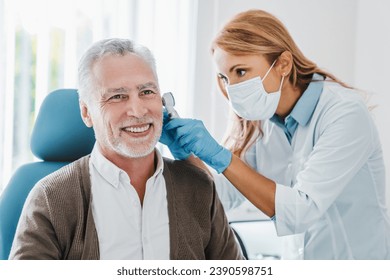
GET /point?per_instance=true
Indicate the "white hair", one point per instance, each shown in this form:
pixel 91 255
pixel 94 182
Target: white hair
pixel 114 46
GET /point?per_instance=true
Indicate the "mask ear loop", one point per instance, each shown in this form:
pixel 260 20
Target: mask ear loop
pixel 266 74
pixel 281 83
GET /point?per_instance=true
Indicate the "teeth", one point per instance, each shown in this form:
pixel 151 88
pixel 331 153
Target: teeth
pixel 138 129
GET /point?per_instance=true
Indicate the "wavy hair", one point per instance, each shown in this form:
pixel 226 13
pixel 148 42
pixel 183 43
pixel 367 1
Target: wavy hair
pixel 256 32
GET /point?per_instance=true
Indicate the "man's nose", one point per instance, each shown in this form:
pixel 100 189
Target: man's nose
pixel 135 107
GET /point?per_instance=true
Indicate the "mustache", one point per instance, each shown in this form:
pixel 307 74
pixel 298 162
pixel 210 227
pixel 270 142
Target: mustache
pixel 137 121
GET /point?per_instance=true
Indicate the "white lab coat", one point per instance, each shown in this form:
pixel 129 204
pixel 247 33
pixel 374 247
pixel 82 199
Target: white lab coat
pixel 330 193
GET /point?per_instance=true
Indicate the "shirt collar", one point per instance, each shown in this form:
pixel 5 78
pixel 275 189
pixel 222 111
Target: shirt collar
pixel 111 173
pixel 304 108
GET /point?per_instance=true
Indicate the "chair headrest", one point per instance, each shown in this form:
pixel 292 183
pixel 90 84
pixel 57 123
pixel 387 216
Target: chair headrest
pixel 59 133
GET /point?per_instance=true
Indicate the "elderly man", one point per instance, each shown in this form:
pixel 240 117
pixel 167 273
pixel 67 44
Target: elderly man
pixel 124 200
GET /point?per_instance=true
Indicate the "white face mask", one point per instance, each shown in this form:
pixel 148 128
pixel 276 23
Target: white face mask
pixel 250 101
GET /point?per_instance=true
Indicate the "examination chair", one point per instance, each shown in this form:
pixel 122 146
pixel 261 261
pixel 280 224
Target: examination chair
pixel 58 138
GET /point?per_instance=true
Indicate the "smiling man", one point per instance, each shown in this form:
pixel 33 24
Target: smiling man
pixel 124 200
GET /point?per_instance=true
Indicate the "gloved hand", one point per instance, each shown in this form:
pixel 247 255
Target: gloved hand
pixel 168 138
pixel 194 138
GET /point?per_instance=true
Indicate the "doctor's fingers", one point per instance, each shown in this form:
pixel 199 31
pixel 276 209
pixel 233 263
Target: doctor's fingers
pixel 194 142
pixel 167 137
pixel 186 124
pixel 188 132
pixel 194 129
pixel 184 148
pixel 165 117
pixel 196 139
pixel 204 150
pixel 190 145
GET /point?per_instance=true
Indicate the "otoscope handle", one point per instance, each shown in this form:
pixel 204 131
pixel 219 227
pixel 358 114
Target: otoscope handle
pixel 172 113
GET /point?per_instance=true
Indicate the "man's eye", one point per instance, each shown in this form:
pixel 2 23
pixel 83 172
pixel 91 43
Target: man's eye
pixel 117 97
pixel 147 92
pixel 240 72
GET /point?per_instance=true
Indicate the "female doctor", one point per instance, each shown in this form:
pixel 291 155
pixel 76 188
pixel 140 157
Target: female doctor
pixel 302 146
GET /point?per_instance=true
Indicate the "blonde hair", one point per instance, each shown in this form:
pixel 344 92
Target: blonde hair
pixel 260 33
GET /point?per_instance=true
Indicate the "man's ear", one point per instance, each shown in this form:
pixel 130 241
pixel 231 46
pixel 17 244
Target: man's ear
pixel 285 62
pixel 85 115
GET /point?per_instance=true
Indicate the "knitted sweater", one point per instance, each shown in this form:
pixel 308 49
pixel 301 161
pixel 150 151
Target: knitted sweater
pixel 57 221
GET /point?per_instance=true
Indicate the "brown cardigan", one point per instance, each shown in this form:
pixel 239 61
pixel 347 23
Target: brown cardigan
pixel 57 222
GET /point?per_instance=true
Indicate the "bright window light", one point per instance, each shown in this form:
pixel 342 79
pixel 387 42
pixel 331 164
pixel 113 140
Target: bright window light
pixel 44 40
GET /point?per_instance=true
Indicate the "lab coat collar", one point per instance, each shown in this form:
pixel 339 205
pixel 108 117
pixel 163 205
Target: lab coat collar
pixel 307 103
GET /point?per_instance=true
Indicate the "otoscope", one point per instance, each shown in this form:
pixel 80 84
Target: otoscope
pixel 168 102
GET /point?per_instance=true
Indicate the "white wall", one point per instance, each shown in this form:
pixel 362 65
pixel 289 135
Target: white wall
pixel 372 58
pixel 324 33
pixel 350 38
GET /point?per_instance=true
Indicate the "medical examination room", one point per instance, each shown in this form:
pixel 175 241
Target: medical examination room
pixel 219 130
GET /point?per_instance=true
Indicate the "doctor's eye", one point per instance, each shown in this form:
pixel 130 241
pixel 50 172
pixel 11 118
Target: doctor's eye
pixel 240 72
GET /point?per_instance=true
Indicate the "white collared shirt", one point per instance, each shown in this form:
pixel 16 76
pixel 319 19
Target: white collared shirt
pixel 125 229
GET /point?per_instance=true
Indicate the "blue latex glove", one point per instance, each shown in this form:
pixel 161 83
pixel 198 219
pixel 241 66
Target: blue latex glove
pixel 194 138
pixel 168 138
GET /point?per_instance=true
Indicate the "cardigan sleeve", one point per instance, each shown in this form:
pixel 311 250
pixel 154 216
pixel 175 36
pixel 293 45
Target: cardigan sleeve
pixel 222 244
pixel 35 238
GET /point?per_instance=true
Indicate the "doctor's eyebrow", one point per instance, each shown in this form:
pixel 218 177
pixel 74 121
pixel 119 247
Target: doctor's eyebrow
pixel 235 66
